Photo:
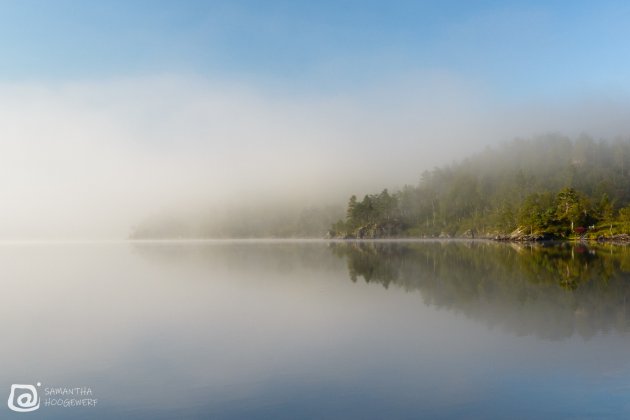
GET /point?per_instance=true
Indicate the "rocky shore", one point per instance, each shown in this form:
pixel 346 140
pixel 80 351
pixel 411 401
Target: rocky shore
pixel 620 238
pixel 394 230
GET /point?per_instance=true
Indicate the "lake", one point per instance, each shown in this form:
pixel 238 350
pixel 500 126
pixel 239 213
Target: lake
pixel 316 329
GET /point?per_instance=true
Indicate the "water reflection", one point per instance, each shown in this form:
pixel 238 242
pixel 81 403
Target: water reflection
pixel 274 329
pixel 552 290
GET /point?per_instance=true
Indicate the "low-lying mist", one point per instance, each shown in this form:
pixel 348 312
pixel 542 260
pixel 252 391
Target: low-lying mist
pixel 107 159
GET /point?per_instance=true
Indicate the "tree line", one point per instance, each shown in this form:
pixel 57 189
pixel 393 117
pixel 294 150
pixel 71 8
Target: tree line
pixel 546 187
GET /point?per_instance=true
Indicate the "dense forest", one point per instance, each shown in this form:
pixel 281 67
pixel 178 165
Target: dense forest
pixel 542 188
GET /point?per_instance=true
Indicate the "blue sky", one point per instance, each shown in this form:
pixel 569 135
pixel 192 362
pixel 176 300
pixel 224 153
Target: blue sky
pixel 510 48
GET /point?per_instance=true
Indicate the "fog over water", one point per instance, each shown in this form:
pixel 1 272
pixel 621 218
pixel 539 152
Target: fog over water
pixel 91 159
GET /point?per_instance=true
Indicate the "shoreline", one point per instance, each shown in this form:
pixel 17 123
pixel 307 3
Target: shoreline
pixel 625 240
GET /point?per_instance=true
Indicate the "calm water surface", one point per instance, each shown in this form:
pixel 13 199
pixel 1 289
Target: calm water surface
pixel 299 330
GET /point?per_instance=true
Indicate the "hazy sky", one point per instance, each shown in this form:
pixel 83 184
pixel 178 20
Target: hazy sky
pixel 115 110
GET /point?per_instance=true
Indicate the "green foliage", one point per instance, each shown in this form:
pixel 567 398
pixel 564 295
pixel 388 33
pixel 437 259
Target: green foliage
pixel 624 219
pixel 536 212
pixel 374 209
pixel 572 210
pixel 550 186
pixel 605 210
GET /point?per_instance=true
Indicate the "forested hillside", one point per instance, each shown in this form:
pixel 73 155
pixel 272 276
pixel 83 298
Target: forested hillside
pixel 547 187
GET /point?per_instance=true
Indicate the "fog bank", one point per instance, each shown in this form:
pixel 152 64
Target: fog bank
pixel 93 159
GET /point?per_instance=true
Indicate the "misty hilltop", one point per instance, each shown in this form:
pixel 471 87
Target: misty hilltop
pixel 542 188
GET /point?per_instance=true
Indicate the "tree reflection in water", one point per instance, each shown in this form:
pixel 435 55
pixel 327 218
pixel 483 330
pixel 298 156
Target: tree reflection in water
pixel 552 291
